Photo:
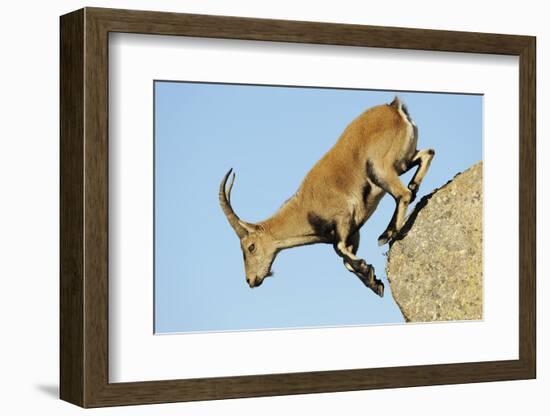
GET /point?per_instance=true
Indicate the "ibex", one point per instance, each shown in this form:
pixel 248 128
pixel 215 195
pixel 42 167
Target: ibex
pixel 339 194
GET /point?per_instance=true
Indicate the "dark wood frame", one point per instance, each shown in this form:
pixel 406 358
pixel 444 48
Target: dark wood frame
pixel 84 207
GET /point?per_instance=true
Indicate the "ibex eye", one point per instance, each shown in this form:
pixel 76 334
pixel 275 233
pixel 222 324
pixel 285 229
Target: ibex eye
pixel 251 248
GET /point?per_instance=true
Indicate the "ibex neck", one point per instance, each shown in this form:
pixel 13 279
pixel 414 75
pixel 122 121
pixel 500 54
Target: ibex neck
pixel 290 227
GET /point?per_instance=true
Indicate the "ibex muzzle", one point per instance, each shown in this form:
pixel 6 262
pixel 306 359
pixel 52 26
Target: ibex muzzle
pixel 339 194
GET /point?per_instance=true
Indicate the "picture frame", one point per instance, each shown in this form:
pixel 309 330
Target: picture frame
pixel 84 214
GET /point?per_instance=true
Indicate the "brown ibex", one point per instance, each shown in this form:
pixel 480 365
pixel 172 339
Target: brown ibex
pixel 339 194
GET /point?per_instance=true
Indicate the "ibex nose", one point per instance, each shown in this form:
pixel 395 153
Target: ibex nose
pixel 250 282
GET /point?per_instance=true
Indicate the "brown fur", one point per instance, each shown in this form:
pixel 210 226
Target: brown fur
pixel 341 192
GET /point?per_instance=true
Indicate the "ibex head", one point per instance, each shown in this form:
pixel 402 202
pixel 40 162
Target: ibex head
pixel 258 246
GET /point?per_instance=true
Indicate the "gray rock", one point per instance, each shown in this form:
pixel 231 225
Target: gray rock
pixel 435 268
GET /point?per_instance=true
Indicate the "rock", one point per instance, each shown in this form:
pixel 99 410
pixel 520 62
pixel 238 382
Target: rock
pixel 435 267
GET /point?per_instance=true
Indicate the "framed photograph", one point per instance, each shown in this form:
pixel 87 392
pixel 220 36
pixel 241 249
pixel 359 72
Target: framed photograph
pixel 254 207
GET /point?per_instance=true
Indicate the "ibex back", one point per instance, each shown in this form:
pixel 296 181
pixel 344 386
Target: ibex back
pixel 339 194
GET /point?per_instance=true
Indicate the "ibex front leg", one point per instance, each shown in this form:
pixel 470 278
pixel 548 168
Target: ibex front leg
pixel 347 248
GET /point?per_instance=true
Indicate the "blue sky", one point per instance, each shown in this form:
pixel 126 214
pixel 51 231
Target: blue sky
pixel 272 136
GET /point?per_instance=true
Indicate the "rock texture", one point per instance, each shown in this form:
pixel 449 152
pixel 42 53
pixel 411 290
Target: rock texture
pixel 435 270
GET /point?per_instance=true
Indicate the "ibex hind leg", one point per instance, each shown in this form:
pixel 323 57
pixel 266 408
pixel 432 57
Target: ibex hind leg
pixel 422 159
pixel 364 271
pixel 388 180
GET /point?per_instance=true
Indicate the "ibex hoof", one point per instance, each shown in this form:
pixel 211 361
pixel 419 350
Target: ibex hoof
pixel 385 237
pixel 379 289
pixel 413 187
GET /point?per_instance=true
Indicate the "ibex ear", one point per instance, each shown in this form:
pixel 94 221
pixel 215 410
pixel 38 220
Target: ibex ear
pixel 248 226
